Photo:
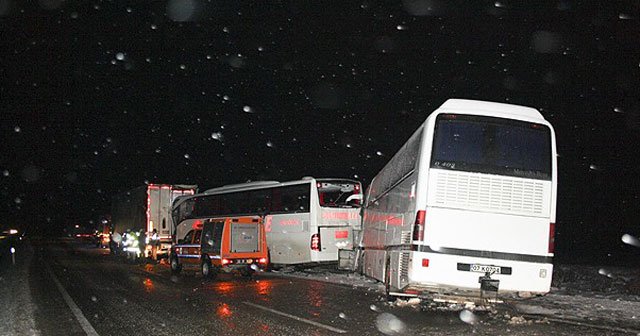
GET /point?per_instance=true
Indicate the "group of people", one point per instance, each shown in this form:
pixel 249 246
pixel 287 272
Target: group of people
pixel 135 242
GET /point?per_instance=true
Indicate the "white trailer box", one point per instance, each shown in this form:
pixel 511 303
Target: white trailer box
pixel 146 208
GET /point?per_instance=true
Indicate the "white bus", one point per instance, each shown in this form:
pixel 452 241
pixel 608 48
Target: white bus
pixel 306 221
pixel 466 207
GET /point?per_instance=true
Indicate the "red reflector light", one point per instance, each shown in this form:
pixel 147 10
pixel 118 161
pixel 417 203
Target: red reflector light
pixel 425 262
pixel 262 261
pixel 226 261
pixel 342 234
pixel 418 227
pixel 552 237
pixel 315 242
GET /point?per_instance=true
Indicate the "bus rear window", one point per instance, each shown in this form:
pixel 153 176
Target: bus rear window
pixel 337 193
pixel 492 145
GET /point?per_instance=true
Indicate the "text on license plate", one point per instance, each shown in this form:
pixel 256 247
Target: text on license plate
pixel 485 269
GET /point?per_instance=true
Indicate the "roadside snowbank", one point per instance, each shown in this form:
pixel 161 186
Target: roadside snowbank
pixel 588 294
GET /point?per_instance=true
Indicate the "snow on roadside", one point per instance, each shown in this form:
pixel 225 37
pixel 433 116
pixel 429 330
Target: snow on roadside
pixel 584 293
pixel 330 273
pixel 17 316
pixel 589 293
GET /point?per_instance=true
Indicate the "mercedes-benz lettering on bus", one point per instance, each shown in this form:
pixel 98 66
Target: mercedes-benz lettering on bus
pixel 306 220
pixel 469 201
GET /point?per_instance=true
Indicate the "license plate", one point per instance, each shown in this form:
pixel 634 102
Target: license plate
pixel 485 269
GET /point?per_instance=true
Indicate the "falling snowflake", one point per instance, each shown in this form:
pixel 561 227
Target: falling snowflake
pixel 270 144
pixel 247 109
pixel 187 156
pixel 468 317
pixel 389 324
pixel 379 153
pixel 217 136
pixel 120 56
pixel 630 240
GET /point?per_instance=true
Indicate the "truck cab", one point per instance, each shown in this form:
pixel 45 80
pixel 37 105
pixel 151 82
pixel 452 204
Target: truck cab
pixel 215 245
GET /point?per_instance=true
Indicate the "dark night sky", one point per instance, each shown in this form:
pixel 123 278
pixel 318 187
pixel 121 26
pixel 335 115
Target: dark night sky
pixel 97 97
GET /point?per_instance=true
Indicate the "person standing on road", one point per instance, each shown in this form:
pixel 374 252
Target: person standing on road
pixel 155 244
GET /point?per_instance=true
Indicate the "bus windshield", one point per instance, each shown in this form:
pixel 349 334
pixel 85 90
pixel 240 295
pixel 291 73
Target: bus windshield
pixel 492 145
pixel 337 193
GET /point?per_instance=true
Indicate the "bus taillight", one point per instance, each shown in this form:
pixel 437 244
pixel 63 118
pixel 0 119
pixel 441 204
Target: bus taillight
pixel 418 227
pixel 315 242
pixel 552 237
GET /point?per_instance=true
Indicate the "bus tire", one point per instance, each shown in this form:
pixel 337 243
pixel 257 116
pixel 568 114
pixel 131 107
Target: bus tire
pixel 175 265
pixel 208 272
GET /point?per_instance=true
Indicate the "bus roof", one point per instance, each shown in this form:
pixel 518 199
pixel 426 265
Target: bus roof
pixel 484 107
pixel 240 186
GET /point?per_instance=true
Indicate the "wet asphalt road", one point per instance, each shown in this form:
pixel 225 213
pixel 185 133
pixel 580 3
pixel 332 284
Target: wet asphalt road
pixel 112 297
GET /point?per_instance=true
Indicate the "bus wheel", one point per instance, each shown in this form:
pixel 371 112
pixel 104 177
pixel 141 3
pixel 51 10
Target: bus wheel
pixel 207 271
pixel 175 265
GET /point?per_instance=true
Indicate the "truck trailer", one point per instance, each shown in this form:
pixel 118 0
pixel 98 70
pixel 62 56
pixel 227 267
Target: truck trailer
pixel 143 209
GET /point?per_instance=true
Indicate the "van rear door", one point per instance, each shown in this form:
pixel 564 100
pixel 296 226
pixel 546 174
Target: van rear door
pixel 244 237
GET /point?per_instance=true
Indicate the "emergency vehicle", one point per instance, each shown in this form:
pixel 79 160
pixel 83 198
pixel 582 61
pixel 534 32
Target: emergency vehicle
pixel 215 245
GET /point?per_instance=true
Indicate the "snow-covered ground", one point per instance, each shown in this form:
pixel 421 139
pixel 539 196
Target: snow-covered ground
pixel 580 294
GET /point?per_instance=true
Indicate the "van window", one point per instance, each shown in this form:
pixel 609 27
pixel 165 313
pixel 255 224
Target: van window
pixel 196 238
pixel 216 236
pixel 187 238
